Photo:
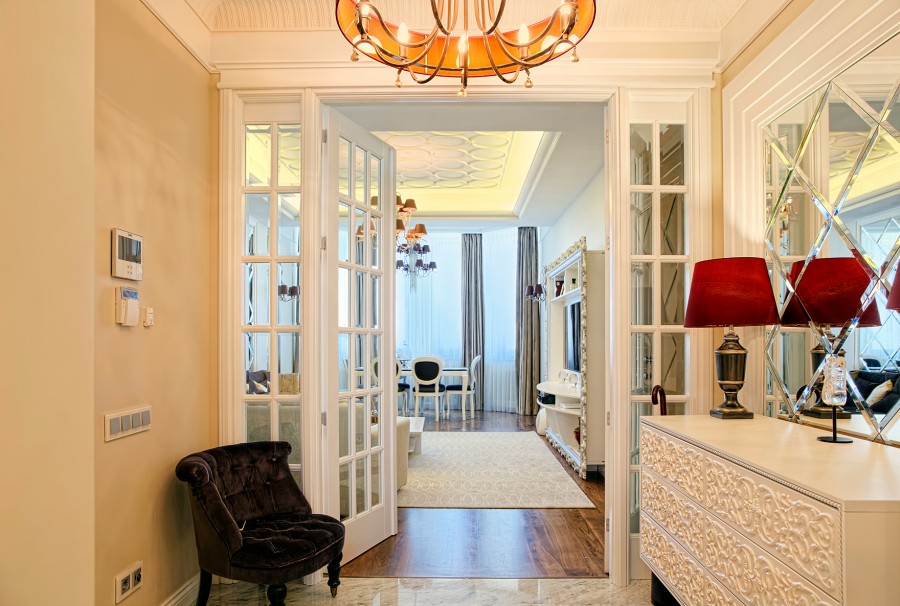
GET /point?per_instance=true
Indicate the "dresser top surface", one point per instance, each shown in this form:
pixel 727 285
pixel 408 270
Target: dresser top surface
pixel 862 475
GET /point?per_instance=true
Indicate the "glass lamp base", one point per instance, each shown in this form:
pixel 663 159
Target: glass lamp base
pixel 834 439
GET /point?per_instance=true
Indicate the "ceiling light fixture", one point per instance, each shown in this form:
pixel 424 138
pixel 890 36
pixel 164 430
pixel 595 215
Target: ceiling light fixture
pixel 411 243
pixel 464 52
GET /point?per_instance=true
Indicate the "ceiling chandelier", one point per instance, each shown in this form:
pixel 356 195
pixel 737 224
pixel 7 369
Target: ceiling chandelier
pixel 411 243
pixel 472 50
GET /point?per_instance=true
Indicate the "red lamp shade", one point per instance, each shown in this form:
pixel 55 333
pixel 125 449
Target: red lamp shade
pixel 734 291
pixel 828 293
pixel 893 301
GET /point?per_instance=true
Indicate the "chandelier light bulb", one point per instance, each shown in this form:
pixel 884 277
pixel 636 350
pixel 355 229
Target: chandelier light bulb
pixel 565 15
pixel 524 34
pixel 462 59
pixel 403 34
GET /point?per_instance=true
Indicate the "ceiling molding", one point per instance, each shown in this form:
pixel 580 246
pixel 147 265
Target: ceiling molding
pixel 318 15
pixel 536 171
pixel 186 26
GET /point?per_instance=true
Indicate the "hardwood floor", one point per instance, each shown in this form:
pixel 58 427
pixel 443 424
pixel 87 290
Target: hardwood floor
pixel 492 543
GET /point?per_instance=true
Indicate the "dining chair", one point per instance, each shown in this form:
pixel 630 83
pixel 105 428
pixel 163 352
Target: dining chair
pixel 402 387
pixel 469 392
pixel 427 371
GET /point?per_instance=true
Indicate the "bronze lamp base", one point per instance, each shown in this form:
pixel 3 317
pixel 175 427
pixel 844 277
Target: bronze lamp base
pixel 731 364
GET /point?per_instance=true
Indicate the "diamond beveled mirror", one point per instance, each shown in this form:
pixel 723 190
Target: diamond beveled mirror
pixel 833 243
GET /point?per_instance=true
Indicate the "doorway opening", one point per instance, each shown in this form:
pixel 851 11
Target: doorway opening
pixel 484 169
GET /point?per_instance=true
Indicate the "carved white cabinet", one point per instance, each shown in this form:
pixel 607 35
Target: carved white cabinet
pixel 576 339
pixel 757 511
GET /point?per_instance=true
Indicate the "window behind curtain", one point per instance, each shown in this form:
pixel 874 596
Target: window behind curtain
pixel 498 253
pixel 429 320
pixel 429 317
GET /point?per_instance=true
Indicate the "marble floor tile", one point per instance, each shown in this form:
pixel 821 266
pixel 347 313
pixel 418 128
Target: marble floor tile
pixel 445 592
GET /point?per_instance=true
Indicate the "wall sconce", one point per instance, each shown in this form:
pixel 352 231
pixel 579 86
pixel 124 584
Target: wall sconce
pixel 288 293
pixel 535 292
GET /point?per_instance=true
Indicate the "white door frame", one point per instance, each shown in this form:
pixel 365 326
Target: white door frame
pixel 313 100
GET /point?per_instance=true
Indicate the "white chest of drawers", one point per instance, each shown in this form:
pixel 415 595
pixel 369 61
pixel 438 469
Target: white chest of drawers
pixel 757 511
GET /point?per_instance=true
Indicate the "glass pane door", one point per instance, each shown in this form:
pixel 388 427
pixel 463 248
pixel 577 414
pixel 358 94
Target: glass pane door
pixel 361 465
pixel 271 329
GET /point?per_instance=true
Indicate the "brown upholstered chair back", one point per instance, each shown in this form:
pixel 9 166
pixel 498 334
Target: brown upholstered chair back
pixel 232 484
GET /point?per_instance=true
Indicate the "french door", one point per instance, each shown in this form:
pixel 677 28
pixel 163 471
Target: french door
pixel 358 306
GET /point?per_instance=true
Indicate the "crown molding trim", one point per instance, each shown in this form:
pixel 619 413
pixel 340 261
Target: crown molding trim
pixel 187 27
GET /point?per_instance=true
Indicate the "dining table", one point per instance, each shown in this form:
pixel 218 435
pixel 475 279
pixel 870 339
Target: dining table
pixel 448 371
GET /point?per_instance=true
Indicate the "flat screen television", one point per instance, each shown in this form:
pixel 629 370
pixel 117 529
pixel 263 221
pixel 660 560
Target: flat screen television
pixel 573 336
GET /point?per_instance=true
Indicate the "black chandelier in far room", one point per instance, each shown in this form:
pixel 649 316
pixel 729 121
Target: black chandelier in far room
pixel 470 47
pixel 412 250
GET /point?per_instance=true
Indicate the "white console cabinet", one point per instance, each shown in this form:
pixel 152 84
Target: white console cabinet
pixel 757 511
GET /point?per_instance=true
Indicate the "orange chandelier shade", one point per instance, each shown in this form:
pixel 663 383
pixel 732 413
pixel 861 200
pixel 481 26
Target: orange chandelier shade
pixel 474 49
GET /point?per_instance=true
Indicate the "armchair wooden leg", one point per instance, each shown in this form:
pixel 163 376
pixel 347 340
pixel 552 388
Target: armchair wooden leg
pixel 276 594
pixel 334 574
pixel 205 585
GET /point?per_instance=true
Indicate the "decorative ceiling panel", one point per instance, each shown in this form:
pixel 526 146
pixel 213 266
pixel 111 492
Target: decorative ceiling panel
pixel 311 15
pixel 450 160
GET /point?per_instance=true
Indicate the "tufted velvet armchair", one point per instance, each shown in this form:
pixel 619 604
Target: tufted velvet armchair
pixel 251 521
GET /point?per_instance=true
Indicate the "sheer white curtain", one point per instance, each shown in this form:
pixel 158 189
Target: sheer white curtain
pixel 498 250
pixel 429 322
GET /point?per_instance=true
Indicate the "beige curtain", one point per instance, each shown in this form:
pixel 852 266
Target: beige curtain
pixel 473 309
pixel 528 330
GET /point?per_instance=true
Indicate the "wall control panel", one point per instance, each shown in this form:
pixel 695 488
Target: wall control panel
pixel 128 306
pixel 127 255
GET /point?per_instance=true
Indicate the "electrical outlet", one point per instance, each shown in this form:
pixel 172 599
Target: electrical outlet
pixel 128 580
pixel 123 585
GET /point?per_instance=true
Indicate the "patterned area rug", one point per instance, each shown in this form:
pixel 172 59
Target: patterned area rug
pixel 488 470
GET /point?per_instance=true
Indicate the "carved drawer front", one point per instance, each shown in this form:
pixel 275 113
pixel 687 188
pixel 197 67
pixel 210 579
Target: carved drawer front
pixel 693 584
pixel 754 575
pixel 681 517
pixel 802 532
pixel 674 460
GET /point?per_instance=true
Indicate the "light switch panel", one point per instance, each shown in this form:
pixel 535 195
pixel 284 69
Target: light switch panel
pixel 126 422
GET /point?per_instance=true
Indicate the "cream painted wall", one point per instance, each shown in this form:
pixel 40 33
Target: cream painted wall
pixel 46 322
pixel 154 175
pixel 586 216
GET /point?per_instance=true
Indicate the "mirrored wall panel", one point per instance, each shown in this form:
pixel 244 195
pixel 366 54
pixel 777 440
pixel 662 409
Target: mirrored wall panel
pixel 832 243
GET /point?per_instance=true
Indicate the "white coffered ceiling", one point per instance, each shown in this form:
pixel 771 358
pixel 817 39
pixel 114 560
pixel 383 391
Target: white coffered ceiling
pixel 313 15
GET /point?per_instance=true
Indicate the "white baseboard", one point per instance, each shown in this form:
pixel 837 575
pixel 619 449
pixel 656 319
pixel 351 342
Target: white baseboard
pixel 186 595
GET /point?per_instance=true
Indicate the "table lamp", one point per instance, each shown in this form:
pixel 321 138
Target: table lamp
pixel 827 294
pixel 734 291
